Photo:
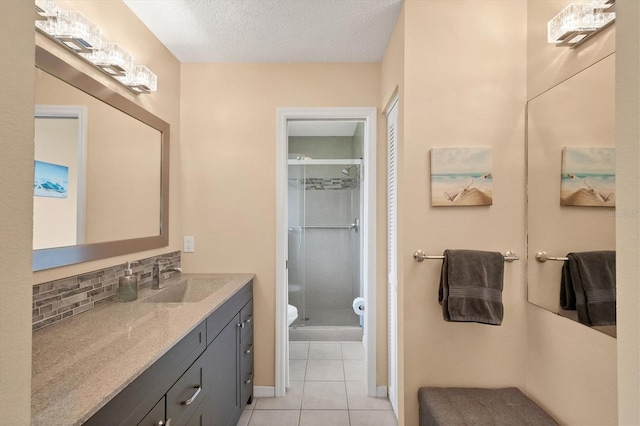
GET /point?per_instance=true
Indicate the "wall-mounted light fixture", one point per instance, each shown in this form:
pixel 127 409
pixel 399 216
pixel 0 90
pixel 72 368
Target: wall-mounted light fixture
pixel 579 21
pixel 75 31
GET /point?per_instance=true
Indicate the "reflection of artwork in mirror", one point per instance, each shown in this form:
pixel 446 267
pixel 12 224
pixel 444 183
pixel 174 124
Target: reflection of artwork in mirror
pixel 50 180
pixel 461 176
pixel 588 177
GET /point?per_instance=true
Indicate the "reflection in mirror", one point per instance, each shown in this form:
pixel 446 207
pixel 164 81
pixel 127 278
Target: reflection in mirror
pixel 101 181
pixel 578 113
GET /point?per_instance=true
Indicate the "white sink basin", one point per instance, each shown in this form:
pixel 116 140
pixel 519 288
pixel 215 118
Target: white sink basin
pixel 188 290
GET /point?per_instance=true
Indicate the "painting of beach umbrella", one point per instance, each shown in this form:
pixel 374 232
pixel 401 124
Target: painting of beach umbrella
pixel 588 177
pixel 462 176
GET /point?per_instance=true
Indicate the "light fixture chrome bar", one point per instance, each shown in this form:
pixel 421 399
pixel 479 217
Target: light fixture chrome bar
pixel 419 256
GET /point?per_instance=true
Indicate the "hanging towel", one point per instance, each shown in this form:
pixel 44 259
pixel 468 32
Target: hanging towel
pixel 567 293
pixel 592 278
pixel 471 286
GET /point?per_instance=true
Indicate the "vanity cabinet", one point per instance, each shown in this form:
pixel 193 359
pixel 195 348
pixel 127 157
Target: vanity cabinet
pixel 205 379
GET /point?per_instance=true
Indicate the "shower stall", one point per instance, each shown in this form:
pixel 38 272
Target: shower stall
pixel 325 243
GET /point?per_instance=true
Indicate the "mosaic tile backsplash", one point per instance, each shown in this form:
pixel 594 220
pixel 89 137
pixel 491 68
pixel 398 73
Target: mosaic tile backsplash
pixel 59 299
pixel 324 183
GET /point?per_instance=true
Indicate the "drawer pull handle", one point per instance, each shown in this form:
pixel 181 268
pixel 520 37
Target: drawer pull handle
pixel 248 351
pixel 162 423
pixel 249 320
pixel 193 397
pixel 249 379
pixel 241 325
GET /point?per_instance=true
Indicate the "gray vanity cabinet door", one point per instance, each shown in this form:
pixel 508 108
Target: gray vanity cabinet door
pixel 155 417
pixel 221 375
pixel 246 355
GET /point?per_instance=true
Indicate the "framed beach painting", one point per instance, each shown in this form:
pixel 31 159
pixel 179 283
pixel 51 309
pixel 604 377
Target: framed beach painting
pixel 461 176
pixel 588 177
pixel 50 180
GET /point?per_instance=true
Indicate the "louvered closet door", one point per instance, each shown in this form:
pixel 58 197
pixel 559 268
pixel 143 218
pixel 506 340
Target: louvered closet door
pixel 392 251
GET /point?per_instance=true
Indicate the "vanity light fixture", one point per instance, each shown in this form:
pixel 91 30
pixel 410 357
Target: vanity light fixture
pixel 46 9
pixel 75 31
pixel 111 58
pixel 140 79
pixel 578 21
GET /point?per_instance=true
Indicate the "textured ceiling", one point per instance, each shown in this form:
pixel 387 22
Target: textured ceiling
pixel 271 30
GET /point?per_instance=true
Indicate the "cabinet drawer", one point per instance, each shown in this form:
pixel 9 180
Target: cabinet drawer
pixel 155 417
pixel 186 394
pixel 246 384
pixel 221 316
pixel 246 348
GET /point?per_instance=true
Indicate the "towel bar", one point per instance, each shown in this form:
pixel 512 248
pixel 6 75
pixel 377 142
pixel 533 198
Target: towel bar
pixel 542 257
pixel 419 256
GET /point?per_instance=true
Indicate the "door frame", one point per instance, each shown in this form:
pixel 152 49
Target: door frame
pixel 369 116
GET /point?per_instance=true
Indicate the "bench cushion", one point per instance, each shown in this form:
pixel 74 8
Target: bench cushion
pixel 479 406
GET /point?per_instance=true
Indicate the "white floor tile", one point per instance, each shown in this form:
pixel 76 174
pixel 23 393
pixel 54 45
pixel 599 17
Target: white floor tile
pixel 291 401
pixel 354 370
pixel 297 369
pixel 324 370
pixel 372 418
pixel 298 350
pixel 358 399
pixel 325 350
pixel 324 396
pixel 244 418
pixel 352 350
pixel 275 418
pixel 324 418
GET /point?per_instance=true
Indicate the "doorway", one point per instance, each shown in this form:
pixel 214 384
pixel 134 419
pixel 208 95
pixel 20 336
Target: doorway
pixel 322 267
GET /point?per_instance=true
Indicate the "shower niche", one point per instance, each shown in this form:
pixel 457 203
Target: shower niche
pixel 325 203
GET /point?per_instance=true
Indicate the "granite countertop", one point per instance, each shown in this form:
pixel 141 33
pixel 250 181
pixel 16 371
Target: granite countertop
pixel 80 363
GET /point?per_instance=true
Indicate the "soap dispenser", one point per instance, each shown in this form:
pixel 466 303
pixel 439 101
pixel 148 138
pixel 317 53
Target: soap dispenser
pixel 128 285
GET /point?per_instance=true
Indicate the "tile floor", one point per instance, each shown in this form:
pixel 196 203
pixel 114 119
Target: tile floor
pixel 327 389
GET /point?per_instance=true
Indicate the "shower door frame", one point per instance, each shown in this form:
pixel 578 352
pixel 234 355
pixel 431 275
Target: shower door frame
pixel 368 115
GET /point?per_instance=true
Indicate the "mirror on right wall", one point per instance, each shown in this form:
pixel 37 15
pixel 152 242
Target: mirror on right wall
pixel 570 179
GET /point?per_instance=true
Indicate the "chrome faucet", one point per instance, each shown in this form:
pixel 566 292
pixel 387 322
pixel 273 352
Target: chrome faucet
pixel 157 281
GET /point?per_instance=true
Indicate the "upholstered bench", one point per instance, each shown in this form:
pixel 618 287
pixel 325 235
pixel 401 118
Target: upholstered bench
pixel 478 406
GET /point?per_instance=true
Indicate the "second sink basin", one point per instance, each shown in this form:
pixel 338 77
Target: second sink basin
pixel 188 290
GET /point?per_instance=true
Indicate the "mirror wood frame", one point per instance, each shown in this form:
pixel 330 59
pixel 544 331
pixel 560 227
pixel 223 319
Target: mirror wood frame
pixel 62 256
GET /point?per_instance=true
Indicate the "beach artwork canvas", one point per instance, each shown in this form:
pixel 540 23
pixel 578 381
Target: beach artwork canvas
pixel 50 180
pixel 461 176
pixel 588 177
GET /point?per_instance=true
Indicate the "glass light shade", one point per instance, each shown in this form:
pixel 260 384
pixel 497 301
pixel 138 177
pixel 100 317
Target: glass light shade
pixel 77 32
pixel 111 58
pixel 46 9
pixel 140 79
pixel 577 19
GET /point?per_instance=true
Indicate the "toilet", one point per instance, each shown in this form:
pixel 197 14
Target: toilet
pixel 292 314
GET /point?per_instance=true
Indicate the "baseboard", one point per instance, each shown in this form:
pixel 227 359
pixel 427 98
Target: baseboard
pixel 381 392
pixel 264 391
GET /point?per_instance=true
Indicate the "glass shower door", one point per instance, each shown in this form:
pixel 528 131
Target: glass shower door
pixel 296 240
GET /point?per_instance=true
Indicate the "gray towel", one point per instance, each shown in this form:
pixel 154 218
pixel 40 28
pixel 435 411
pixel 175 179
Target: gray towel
pixel 592 277
pixel 471 286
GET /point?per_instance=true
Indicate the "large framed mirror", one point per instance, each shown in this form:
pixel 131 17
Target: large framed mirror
pixel 101 183
pixel 570 182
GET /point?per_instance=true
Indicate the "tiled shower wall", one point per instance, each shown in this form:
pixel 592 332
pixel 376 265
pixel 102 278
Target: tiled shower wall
pixel 59 299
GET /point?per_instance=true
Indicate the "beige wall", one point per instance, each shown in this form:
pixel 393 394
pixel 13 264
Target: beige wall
pixel 120 24
pixel 464 85
pixel 571 369
pixel 229 144
pixel 16 206
pixel 628 231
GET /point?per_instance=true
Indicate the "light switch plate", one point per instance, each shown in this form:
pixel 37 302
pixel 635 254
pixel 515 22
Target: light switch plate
pixel 189 244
